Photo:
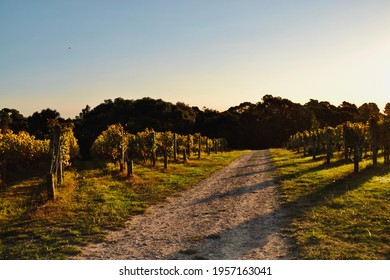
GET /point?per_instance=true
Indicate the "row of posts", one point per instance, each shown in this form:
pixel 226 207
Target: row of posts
pixel 55 177
pixel 129 162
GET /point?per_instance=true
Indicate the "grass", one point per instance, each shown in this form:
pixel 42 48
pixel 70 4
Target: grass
pixel 95 198
pixel 334 213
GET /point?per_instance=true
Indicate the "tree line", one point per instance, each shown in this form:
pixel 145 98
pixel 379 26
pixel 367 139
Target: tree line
pixel 267 123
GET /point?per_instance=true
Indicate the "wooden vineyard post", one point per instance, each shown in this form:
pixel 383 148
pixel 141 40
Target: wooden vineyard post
pixel 199 146
pixel 174 147
pixel 386 153
pixel 130 168
pixel 165 159
pixel 346 140
pixel 60 172
pixel 57 158
pixel 51 186
pixel 188 146
pixel 356 159
pixel 328 152
pixel 55 176
pixel 298 147
pixel 329 144
pixel 207 146
pixel 153 150
pixel 315 144
pixel 374 132
pixel 184 155
pixel 122 159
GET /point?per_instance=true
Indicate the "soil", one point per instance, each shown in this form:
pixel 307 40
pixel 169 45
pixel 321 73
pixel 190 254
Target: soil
pixel 234 214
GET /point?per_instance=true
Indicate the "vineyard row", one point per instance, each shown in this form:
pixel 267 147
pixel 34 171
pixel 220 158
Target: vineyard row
pixel 353 138
pixel 117 145
pixel 114 144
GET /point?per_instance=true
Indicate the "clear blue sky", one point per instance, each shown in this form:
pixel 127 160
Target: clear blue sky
pixel 70 53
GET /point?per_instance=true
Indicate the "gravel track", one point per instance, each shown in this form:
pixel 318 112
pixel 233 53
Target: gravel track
pixel 234 214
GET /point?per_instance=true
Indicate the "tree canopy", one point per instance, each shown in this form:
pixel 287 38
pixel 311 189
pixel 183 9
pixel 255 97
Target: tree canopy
pixel 267 123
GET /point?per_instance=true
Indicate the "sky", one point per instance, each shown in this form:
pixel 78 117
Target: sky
pixel 66 54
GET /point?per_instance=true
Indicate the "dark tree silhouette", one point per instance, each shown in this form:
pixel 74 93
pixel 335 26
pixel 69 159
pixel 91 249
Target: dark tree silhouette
pixel 38 122
pixel 366 111
pixel 387 109
pixel 267 123
pixel 12 119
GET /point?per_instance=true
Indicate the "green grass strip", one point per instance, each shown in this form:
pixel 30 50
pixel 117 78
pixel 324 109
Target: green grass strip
pixel 334 213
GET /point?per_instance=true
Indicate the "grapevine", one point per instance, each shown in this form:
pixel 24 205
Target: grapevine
pixel 115 144
pixel 352 137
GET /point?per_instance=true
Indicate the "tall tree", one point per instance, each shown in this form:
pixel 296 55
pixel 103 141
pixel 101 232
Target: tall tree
pixel 38 122
pixel 5 120
pixel 326 113
pixel 366 111
pixel 387 109
pixel 347 112
pixel 12 119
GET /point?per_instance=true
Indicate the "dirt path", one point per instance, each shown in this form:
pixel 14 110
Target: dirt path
pixel 234 214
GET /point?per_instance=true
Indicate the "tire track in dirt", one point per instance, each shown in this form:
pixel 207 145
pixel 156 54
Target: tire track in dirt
pixel 234 214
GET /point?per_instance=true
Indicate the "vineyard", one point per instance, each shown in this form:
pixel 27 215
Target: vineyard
pixel 22 150
pixel 338 214
pixel 356 140
pixel 52 202
pixel 116 145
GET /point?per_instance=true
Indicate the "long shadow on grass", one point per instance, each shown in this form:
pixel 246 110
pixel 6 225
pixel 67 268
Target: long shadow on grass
pixel 319 167
pixel 29 239
pixel 338 187
pixel 19 175
pixel 19 235
pixel 33 194
pixel 261 229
